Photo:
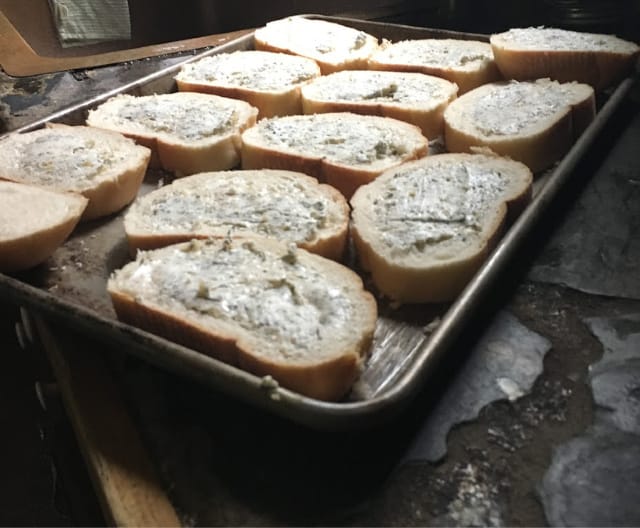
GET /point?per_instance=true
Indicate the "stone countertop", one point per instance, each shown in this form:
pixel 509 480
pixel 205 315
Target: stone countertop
pixel 535 423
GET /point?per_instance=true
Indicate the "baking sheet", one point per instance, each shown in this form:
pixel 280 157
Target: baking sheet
pixel 409 340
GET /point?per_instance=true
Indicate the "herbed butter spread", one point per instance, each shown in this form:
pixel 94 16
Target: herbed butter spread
pixel 251 69
pixel 290 304
pixel 355 140
pixel 176 116
pixel 370 86
pixel 437 53
pixel 61 158
pixel 421 207
pixel 287 206
pixel 514 107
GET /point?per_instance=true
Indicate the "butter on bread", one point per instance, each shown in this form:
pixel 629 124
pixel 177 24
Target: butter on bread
pixel 34 222
pixel 423 229
pixel 105 167
pixel 261 305
pixel 333 46
pixel 535 122
pixel 285 205
pixel 564 55
pixel 269 81
pixel 416 98
pixel 342 149
pixel 186 132
pixel 468 63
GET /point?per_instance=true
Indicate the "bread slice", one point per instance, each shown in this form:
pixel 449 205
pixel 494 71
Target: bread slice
pixel 563 55
pixel 286 205
pixel 103 166
pixel 342 149
pixel 535 122
pixel 412 97
pixel 424 229
pixel 261 305
pixel 468 63
pixel 269 81
pixel 333 46
pixel 187 132
pixel 34 222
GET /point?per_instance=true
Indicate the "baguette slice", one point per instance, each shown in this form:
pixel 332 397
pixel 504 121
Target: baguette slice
pixel 468 63
pixel 34 222
pixel 285 205
pixel 269 81
pixel 187 132
pixel 262 305
pixel 103 166
pixel 412 97
pixel 563 55
pixel 333 46
pixel 342 149
pixel 534 122
pixel 423 229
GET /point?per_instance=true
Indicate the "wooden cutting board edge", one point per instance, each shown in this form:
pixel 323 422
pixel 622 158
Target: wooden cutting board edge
pixel 18 59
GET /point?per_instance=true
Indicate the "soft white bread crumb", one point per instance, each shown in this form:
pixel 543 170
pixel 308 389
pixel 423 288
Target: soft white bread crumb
pixel 535 122
pixel 289 206
pixel 424 229
pixel 412 97
pixel 333 46
pixel 342 149
pixel 468 63
pixel 269 81
pixel 105 167
pixel 187 132
pixel 563 55
pixel 262 305
pixel 34 222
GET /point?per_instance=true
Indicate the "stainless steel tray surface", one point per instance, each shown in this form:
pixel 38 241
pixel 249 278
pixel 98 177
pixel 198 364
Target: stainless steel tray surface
pixel 409 341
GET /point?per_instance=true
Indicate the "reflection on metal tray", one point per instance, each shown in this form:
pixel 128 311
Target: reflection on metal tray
pixel 409 341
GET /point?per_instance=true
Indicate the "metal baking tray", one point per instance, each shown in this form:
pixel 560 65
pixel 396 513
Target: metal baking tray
pixel 409 341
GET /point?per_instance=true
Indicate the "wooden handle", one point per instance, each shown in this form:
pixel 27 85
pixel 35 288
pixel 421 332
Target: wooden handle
pixel 123 475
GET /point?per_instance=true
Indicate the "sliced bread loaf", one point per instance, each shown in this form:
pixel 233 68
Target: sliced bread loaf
pixel 424 229
pixel 563 55
pixel 34 222
pixel 535 122
pixel 187 132
pixel 269 81
pixel 468 63
pixel 286 205
pixel 262 305
pixel 342 149
pixel 333 46
pixel 105 167
pixel 412 97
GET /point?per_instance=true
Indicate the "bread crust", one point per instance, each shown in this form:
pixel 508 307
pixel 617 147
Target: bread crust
pixel 328 377
pixel 425 114
pixel 257 153
pixel 107 193
pixel 269 104
pixel 33 241
pixel 598 68
pixel 467 78
pixel 281 99
pixel 329 240
pixel 541 144
pixel 216 151
pixel 537 151
pixel 295 35
pixel 439 273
